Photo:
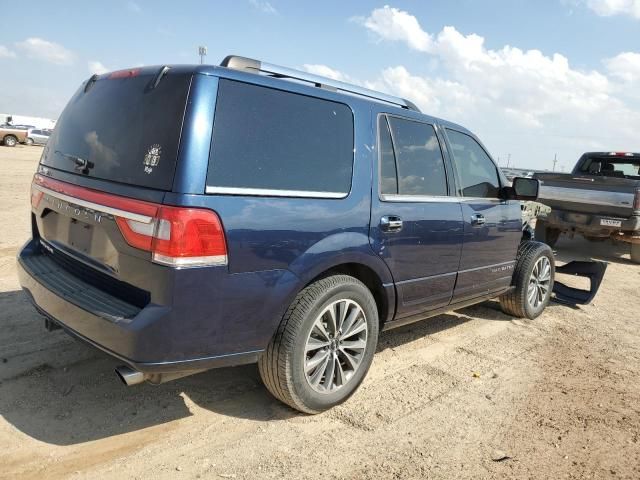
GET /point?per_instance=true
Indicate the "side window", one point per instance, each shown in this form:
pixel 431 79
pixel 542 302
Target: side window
pixel 270 139
pixel 388 172
pixel 478 174
pixel 419 162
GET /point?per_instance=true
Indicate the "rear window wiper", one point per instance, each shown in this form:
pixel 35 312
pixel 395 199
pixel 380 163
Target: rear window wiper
pixel 82 165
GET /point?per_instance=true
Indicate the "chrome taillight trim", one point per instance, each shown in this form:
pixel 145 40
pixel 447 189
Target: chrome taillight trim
pixel 184 262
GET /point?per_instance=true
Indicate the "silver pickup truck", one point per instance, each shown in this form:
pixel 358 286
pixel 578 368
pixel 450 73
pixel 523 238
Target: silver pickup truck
pixel 599 199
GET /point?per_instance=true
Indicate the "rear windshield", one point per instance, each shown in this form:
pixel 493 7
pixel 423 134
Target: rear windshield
pixel 612 166
pixel 122 130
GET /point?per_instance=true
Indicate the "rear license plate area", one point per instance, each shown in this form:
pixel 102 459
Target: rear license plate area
pixel 609 222
pixel 80 235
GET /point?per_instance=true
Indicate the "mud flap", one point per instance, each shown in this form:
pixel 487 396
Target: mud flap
pixel 593 270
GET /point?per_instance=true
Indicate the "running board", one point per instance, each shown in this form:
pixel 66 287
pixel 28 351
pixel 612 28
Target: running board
pixel 593 270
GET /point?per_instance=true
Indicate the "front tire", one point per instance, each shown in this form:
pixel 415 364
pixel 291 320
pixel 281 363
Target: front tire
pixel 533 279
pixel 29 141
pixel 324 345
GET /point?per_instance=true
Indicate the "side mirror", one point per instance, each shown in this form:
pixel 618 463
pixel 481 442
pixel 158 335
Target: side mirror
pixel 522 189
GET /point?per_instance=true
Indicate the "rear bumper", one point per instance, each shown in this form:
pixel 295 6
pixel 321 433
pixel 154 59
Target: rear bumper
pixel 590 224
pixel 192 335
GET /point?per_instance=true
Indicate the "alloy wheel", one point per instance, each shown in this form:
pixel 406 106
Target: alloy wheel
pixel 539 282
pixel 336 345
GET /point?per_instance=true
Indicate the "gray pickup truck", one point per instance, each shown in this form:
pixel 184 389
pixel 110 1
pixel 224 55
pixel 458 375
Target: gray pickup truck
pixel 599 199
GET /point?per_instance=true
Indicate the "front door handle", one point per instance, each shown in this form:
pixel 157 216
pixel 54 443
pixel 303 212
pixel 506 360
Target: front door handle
pixel 391 223
pixel 477 220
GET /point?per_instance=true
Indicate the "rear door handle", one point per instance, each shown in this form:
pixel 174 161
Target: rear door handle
pixel 391 223
pixel 477 220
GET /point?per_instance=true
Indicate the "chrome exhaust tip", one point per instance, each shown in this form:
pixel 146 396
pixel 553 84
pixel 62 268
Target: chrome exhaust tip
pixel 129 376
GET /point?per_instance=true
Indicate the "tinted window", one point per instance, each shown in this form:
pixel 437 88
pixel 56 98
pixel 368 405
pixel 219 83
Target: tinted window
pixel 269 139
pixel 126 130
pixel 478 174
pixel 418 157
pixel 388 173
pixel 36 132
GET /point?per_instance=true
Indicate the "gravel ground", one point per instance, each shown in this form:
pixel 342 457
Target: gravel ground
pixel 469 394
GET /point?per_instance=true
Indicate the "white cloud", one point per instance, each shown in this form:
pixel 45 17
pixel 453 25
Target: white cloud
pixel 6 53
pixel 134 7
pixel 51 52
pixel 325 71
pixel 625 66
pixel 96 68
pixel 263 6
pixel 525 97
pixel 607 8
pixel 393 24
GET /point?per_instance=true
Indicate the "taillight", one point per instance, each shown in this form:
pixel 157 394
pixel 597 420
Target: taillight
pixel 36 197
pixel 179 236
pixel 175 236
pixel 636 200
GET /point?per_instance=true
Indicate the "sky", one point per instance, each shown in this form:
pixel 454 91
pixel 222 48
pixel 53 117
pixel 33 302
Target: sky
pixel 533 79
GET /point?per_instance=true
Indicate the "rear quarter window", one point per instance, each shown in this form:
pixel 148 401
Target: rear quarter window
pixel 282 142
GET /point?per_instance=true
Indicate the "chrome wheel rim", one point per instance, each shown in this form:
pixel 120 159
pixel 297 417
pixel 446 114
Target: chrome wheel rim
pixel 539 282
pixel 336 346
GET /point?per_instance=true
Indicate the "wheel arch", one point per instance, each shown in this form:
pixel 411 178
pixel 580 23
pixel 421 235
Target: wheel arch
pixel 383 292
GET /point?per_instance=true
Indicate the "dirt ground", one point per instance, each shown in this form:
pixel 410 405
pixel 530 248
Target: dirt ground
pixel 558 397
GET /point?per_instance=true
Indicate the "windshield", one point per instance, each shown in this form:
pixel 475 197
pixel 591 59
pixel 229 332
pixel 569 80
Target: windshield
pixel 121 129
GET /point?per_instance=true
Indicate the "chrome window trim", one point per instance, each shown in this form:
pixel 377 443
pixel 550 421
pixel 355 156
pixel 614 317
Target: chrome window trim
pixel 268 192
pixel 95 206
pixel 418 198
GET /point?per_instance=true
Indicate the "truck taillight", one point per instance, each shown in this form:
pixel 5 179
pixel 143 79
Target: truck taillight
pixel 180 237
pixel 175 236
pixel 636 200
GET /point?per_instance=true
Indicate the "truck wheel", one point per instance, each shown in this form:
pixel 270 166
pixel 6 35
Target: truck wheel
pixel 324 345
pixel 29 141
pixel 635 252
pixel 532 280
pixel 10 141
pixel 546 234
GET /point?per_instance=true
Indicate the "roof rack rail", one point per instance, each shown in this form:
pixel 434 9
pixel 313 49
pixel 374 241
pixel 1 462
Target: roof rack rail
pixel 256 66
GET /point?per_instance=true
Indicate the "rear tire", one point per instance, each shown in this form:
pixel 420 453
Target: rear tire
pixel 546 234
pixel 309 367
pixel 10 141
pixel 533 279
pixel 635 252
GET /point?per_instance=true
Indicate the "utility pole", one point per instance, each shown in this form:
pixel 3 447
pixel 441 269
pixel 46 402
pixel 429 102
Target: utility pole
pixel 508 159
pixel 555 161
pixel 202 51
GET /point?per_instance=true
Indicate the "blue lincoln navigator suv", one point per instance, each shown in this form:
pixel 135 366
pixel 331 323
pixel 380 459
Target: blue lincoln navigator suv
pixel 192 217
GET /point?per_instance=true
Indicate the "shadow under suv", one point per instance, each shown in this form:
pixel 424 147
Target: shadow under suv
pixel 191 217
